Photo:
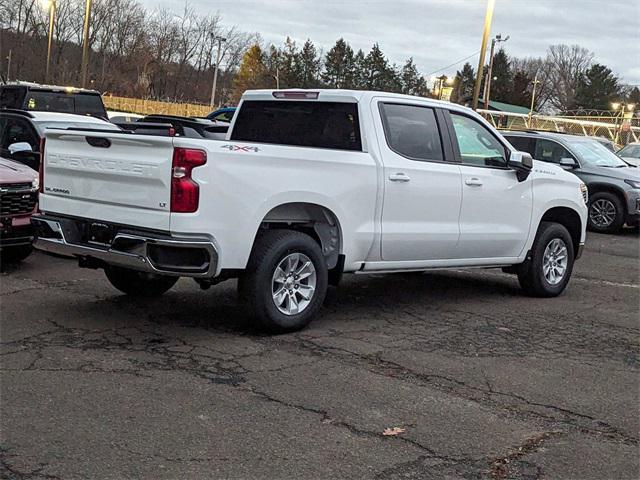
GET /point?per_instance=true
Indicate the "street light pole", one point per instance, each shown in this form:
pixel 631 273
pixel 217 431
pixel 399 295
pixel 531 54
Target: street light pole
pixel 52 15
pixel 498 38
pixel 483 48
pixel 85 43
pixel 215 72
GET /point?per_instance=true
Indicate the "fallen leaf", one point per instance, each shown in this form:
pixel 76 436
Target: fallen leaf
pixel 389 432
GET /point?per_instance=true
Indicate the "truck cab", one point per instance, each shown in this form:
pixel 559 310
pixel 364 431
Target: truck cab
pixel 309 185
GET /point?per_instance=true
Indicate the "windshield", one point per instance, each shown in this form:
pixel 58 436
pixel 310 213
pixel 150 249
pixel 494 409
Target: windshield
pixel 632 151
pixel 594 153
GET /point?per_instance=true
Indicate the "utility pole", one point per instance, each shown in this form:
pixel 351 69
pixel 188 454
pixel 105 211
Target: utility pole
pixel 533 99
pixel 52 14
pixel 85 43
pixel 498 38
pixel 485 38
pixel 8 64
pixel 215 72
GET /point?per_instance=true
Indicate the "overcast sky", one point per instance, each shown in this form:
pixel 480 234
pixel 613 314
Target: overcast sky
pixel 437 33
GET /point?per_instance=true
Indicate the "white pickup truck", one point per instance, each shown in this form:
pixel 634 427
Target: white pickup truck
pixel 309 185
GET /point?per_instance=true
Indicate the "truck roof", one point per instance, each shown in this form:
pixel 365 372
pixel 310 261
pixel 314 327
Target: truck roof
pixel 54 88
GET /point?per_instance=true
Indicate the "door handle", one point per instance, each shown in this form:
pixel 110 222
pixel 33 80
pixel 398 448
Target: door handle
pixel 473 182
pixel 399 177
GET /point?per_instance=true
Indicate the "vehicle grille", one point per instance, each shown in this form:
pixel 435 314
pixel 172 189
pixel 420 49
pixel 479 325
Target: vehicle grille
pixel 17 199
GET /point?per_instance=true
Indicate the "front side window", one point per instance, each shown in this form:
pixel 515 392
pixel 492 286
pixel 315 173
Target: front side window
pixel 412 131
pixel 550 151
pixel 477 145
pixel 17 130
pixel 305 124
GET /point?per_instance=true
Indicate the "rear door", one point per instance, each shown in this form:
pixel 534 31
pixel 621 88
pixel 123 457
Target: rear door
pixel 422 190
pixel 115 177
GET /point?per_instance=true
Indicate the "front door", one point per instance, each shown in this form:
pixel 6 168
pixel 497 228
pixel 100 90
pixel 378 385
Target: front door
pixel 496 207
pixel 422 190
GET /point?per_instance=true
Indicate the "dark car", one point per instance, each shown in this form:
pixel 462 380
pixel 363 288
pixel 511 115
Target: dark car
pixel 223 114
pixel 614 185
pixel 189 127
pixel 47 98
pixel 18 199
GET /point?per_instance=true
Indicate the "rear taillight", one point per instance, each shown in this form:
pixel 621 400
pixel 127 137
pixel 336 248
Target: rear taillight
pixel 41 169
pixel 185 192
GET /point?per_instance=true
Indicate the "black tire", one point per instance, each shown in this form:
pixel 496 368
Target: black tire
pixel 609 199
pixel 15 254
pixel 139 284
pixel 531 273
pixel 255 286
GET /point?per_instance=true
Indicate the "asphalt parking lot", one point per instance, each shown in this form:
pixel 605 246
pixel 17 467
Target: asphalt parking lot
pixel 482 382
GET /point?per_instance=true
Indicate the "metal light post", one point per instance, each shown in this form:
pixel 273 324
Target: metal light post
pixel 85 43
pixel 215 72
pixel 498 38
pixel 533 98
pixel 52 16
pixel 485 38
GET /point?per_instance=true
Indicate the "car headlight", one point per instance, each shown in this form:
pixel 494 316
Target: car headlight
pixel 35 184
pixel 633 183
pixel 585 192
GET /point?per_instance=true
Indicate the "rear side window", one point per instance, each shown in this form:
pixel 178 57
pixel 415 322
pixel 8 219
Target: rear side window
pixel 522 144
pixel 11 97
pixel 88 104
pixel 305 124
pixel 412 131
pixel 550 151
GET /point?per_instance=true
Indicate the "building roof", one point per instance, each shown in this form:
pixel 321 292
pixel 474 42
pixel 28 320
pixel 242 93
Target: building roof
pixel 505 107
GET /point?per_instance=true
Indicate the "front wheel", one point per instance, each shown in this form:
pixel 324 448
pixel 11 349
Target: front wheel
pixel 548 271
pixel 286 279
pixel 606 213
pixel 139 284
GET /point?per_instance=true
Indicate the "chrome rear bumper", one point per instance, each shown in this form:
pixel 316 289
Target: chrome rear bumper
pixel 143 251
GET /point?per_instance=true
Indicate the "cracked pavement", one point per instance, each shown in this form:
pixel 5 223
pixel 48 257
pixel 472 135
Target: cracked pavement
pixel 487 383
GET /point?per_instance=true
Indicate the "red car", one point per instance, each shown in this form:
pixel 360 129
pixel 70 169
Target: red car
pixel 18 200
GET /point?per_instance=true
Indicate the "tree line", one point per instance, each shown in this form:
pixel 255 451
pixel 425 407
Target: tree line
pixel 168 55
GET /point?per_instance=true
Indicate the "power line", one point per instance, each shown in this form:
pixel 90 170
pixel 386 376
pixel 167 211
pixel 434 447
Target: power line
pixel 454 63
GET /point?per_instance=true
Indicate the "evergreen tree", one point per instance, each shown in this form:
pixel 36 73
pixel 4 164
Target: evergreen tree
pixel 597 88
pixel 252 72
pixel 359 71
pixel 410 78
pixel 339 66
pixel 308 66
pixel 502 81
pixel 290 66
pixel 520 93
pixel 465 80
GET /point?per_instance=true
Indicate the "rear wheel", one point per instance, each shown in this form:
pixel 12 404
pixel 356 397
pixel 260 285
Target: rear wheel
pixel 286 279
pixel 606 213
pixel 139 284
pixel 548 271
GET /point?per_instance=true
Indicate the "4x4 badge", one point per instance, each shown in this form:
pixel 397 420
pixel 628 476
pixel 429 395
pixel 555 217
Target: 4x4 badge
pixel 240 148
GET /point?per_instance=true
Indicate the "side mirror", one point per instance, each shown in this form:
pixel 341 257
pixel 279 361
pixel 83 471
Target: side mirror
pixel 568 163
pixel 19 147
pixel 522 163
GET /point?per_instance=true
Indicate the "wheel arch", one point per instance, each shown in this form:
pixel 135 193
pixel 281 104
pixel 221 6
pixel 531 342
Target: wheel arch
pixel 595 188
pixel 316 220
pixel 570 219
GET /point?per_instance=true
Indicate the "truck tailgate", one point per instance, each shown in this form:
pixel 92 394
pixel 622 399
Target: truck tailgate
pixel 114 177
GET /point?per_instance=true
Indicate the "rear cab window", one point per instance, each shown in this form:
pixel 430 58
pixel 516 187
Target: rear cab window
pixel 53 101
pixel 412 131
pixel 333 125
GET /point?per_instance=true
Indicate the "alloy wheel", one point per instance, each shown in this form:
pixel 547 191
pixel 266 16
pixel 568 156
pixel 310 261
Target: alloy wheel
pixel 602 213
pixel 554 261
pixel 293 284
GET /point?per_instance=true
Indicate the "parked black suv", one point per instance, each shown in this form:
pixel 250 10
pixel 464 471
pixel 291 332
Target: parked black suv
pixel 614 185
pixel 47 98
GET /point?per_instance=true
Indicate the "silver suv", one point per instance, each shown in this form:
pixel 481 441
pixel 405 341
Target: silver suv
pixel 614 185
